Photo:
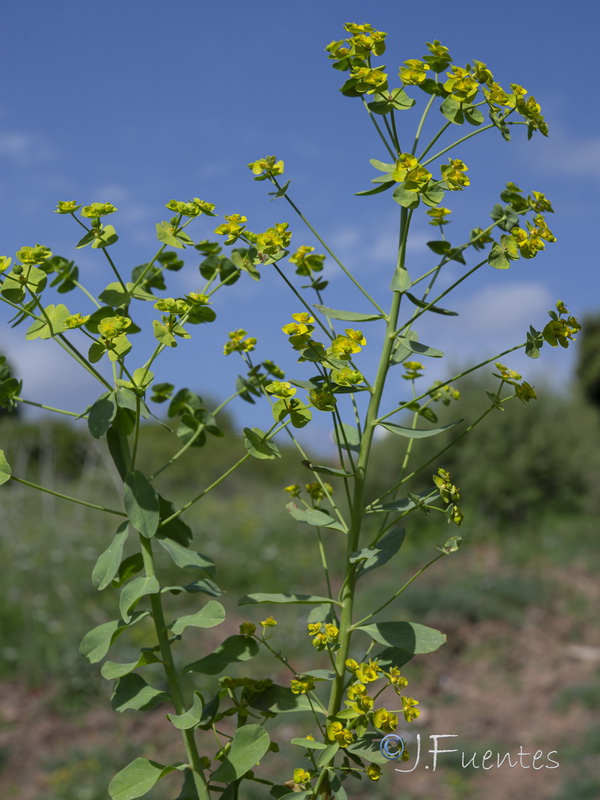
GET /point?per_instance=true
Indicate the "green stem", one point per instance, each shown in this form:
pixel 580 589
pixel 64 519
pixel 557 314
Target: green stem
pixel 451 380
pixel 440 296
pixel 379 131
pixel 67 497
pixel 162 635
pixel 204 492
pixel 49 408
pixel 348 588
pixel 398 593
pixel 331 253
pixel 421 123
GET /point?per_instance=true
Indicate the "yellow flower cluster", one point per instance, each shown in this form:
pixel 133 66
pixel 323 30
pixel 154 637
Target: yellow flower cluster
pixel 325 633
pixel 237 343
pixel 302 685
pixel 450 494
pixel 438 215
pixel 531 241
pixel 409 172
pixel 307 261
pixel 272 240
pixel 232 227
pixel 267 167
pixel 193 208
pixel 337 733
pixel 97 210
pixel 454 174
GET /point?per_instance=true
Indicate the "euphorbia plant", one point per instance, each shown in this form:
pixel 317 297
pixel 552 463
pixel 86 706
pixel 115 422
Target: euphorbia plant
pixel 351 686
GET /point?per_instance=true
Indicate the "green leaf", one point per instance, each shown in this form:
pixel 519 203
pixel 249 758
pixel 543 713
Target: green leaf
pixel 328 755
pixel 107 236
pixel 281 700
pixel 429 307
pixel 410 345
pixel 401 280
pixel 5 469
pixel 141 503
pixel 348 316
pixel 137 778
pixel 404 197
pixel 96 643
pixel 114 296
pixel 166 234
pixel 210 616
pixel 347 438
pixel 382 166
pixel 410 637
pixel 433 194
pixel 132 693
pixel 473 115
pixel 314 516
pixel 416 433
pixel 190 718
pixel 443 248
pixel 109 561
pixel 185 558
pixel 323 470
pixel 231 651
pixel 101 414
pixel 249 745
pixel 203 585
pixel 381 188
pixel 535 340
pixel 42 329
pixel 383 551
pixel 134 591
pixel 309 744
pixel 303 599
pixel 503 253
pixel 96 351
pixel 113 669
pixel 85 240
pixel 163 334
pixel 452 110
pixel 368 748
pixel 257 446
pixel 403 504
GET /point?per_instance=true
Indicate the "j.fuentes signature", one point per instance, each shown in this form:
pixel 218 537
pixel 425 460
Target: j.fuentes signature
pixel 392 746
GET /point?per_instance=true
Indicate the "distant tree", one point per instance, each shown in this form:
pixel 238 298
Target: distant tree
pixel 588 363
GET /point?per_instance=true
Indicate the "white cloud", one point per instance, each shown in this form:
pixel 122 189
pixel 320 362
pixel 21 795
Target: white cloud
pixel 566 155
pixel 23 148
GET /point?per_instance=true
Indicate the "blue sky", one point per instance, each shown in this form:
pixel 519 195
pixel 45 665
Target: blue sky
pixel 140 102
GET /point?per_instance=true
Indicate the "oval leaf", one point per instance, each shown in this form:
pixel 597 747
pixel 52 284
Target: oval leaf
pixel 134 694
pixel 141 503
pixel 264 597
pixel 407 636
pixel 348 316
pixel 416 433
pixel 231 651
pixel 5 469
pixel 210 616
pixel 137 778
pixel 249 745
pixel 191 718
pixel 257 444
pixel 109 562
pixel 134 591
